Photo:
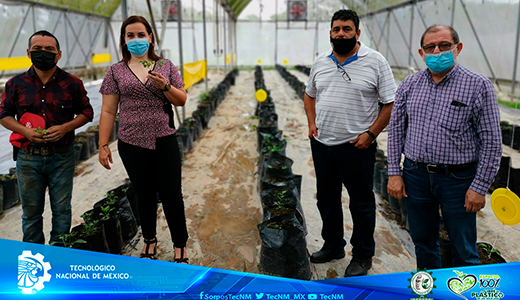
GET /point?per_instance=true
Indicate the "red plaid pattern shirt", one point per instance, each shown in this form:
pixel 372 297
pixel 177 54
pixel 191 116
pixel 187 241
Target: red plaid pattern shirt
pixel 58 101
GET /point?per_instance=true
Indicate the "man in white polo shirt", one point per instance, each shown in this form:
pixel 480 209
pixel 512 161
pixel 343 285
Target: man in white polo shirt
pixel 341 102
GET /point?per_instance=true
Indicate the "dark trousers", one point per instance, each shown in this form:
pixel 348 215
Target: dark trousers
pixel 346 165
pixel 152 172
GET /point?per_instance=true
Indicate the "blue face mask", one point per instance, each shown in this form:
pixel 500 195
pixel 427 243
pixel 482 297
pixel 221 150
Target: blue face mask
pixel 440 62
pixel 138 47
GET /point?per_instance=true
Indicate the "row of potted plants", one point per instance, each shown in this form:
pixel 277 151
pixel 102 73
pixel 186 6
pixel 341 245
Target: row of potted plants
pixel 284 248
pixel 109 225
pixel 510 134
pixel 192 127
pixel 296 84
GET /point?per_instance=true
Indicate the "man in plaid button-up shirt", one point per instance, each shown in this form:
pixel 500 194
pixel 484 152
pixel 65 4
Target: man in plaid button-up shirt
pixel 445 121
pixel 61 100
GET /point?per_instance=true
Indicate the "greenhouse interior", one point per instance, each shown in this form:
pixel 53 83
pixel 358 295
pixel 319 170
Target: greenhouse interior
pixel 235 58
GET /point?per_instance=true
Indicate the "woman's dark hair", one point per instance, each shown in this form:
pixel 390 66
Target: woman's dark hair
pixel 345 15
pixel 122 44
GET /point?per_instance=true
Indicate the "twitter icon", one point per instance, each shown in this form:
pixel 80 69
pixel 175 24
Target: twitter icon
pixel 259 295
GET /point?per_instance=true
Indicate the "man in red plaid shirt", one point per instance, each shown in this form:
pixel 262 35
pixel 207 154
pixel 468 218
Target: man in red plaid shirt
pixel 48 161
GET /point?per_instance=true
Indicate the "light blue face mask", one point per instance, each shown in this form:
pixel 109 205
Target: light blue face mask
pixel 440 62
pixel 138 47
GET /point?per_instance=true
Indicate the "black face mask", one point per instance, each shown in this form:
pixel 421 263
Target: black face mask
pixel 43 60
pixel 343 46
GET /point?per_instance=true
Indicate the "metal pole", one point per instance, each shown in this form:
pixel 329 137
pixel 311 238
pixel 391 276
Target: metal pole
pixel 404 38
pixel 157 41
pixel 236 45
pixel 225 18
pixel 164 22
pixel 516 52
pixel 276 34
pixel 205 44
pixel 181 60
pixel 478 41
pixel 217 52
pixel 411 34
pixel 124 9
pixel 452 13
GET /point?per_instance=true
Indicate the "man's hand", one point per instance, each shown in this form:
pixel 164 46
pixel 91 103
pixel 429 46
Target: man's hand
pixel 105 156
pixel 363 141
pixel 313 131
pixel 474 201
pixel 55 133
pixel 395 187
pixel 33 135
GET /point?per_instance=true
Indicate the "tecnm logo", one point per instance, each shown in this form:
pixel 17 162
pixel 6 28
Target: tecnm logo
pixel 32 272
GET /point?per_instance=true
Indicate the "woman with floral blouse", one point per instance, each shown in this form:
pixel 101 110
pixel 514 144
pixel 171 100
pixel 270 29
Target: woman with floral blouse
pixel 144 86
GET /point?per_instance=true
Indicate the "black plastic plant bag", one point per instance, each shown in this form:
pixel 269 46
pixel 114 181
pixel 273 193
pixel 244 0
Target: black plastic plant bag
pixel 295 180
pixel 96 242
pixel 284 249
pixel 10 192
pixel 126 214
pixel 112 227
pixel 276 166
pixel 282 200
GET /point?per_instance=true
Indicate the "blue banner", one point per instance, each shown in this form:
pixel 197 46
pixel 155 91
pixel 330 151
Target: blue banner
pixel 32 271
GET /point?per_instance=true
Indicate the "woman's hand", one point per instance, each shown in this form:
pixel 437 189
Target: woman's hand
pixel 105 157
pixel 157 79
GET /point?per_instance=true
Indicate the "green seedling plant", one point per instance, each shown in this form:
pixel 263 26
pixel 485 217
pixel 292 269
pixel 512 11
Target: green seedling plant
pixel 39 130
pixel 488 249
pixel 274 148
pixel 148 64
pixel 111 198
pixel 5 177
pixel 91 226
pixel 68 240
pixel 105 212
pixel 282 201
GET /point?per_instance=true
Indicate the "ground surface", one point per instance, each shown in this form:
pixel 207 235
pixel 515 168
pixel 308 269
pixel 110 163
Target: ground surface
pixel 221 198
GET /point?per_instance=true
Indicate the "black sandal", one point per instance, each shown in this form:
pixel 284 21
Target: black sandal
pixel 182 259
pixel 147 254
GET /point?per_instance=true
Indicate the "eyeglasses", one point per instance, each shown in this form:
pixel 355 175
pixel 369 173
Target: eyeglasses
pixel 344 73
pixel 444 46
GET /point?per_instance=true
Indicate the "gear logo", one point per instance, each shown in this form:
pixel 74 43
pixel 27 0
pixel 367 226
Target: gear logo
pixel 32 272
pixel 421 283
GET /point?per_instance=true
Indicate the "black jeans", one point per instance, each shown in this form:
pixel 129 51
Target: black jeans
pixel 152 172
pixel 346 165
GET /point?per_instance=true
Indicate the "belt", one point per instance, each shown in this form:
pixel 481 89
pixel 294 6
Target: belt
pixel 441 168
pixel 50 150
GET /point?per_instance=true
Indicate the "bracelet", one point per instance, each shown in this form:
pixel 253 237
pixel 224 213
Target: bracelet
pixel 105 145
pixel 373 136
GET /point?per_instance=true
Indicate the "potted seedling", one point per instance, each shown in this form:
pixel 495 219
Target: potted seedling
pixel 489 255
pixel 69 240
pixel 284 249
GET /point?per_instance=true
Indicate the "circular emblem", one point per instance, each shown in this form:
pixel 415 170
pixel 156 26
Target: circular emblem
pixel 32 272
pixel 421 283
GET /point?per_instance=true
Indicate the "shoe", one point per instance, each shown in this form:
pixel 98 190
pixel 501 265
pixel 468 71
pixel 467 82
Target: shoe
pixel 326 255
pixel 182 259
pixel 147 253
pixel 358 267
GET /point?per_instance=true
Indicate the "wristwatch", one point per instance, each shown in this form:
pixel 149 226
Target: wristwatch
pixel 167 87
pixel 372 135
